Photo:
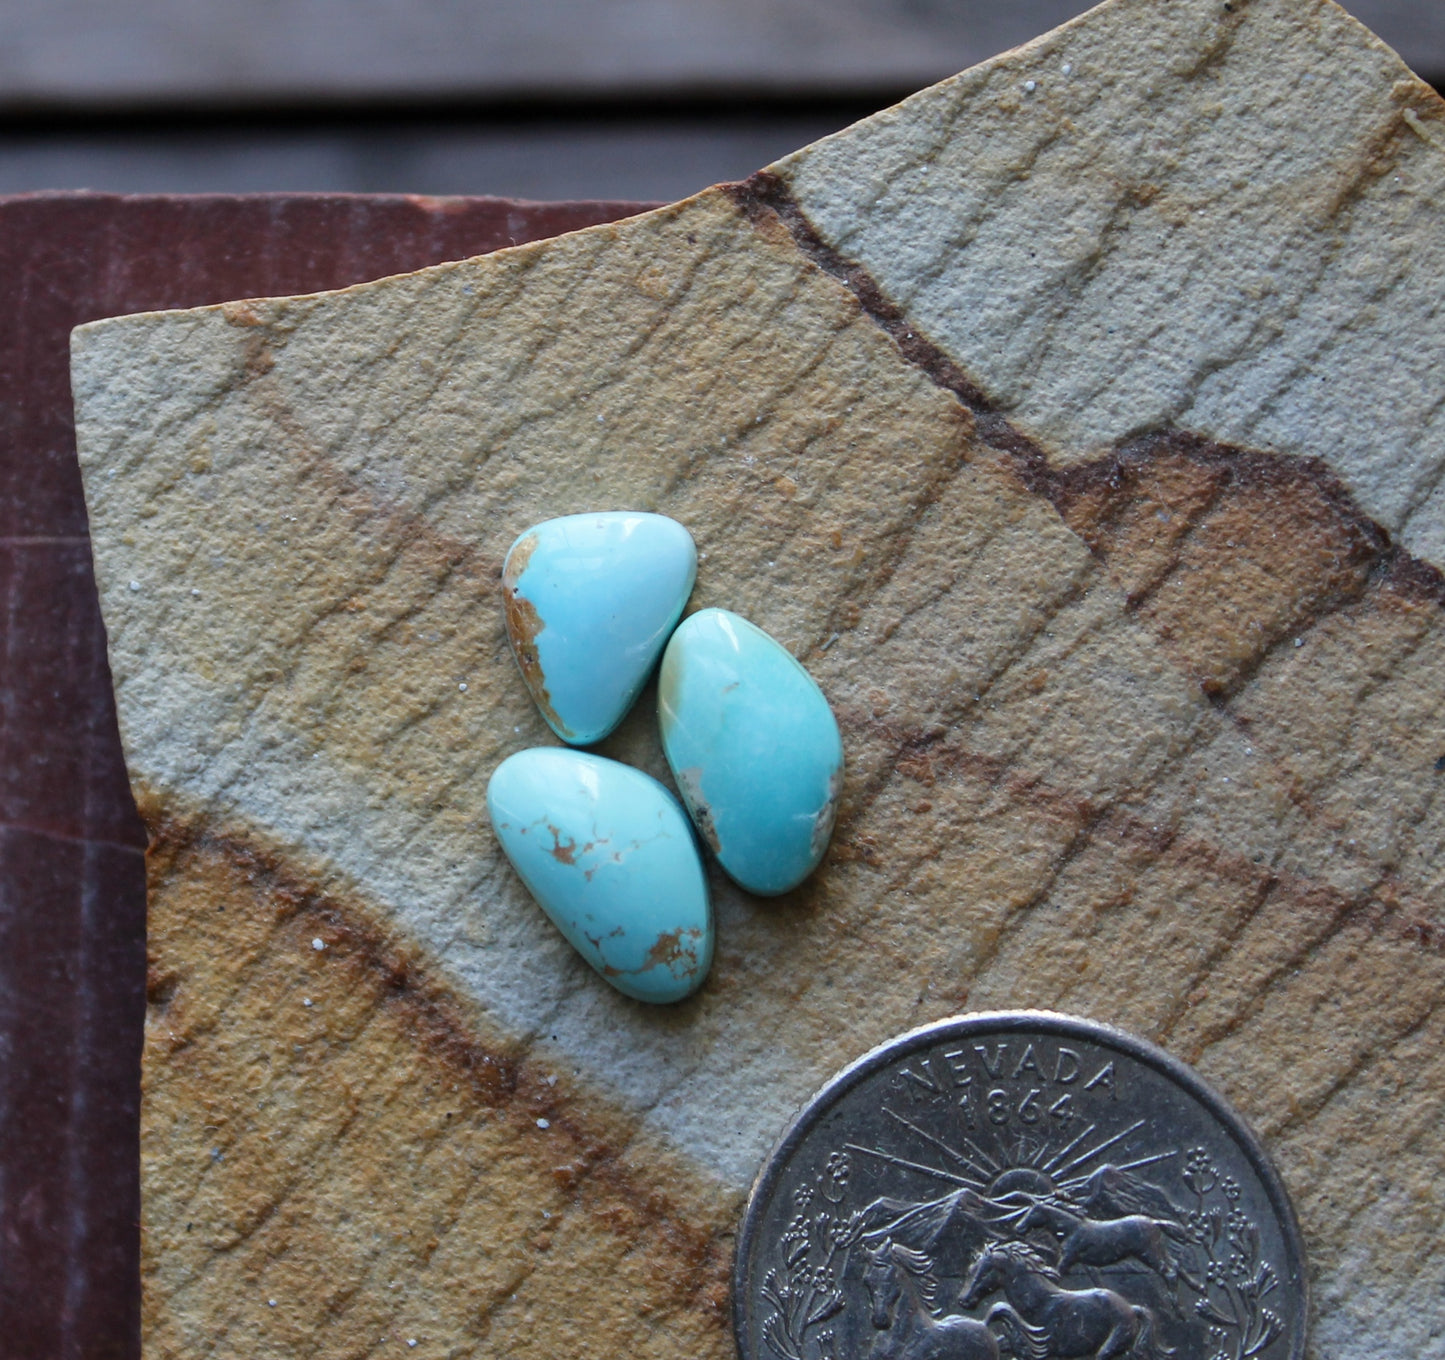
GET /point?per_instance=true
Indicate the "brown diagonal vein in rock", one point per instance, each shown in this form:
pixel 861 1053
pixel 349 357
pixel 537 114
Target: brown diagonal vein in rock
pixel 1302 493
pixel 454 1086
pixel 907 747
pixel 1365 1059
pixel 927 756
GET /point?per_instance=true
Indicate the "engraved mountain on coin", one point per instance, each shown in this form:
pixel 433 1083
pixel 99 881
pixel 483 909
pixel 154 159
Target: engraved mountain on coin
pixel 1022 1187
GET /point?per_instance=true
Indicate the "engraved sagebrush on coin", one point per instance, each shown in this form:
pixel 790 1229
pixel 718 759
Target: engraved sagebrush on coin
pixel 1023 1185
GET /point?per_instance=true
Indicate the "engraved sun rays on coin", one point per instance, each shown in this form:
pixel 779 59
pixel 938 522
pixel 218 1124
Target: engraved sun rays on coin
pixel 1033 1167
pixel 1029 1194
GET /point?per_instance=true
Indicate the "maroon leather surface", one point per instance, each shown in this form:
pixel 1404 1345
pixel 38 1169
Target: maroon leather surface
pixel 72 891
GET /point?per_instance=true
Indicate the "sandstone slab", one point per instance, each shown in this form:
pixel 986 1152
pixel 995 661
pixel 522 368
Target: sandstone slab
pixel 1075 422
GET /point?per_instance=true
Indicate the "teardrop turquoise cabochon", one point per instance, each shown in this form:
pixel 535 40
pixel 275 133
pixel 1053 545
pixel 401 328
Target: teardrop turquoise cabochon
pixel 590 601
pixel 754 748
pixel 610 857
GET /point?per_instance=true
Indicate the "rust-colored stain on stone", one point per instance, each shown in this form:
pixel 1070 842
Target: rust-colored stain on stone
pixel 523 626
pixel 669 951
pixel 1225 551
pixel 243 313
pixel 564 853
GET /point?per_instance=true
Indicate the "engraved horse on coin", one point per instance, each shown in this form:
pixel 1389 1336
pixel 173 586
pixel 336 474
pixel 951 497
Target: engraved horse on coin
pixel 1069 1323
pixel 903 1295
pixel 1104 1242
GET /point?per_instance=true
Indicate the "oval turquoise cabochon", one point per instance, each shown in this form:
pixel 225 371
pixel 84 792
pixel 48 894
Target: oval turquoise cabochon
pixel 754 748
pixel 590 601
pixel 610 857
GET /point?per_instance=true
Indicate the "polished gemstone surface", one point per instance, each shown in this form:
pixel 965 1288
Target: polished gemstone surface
pixel 590 601
pixel 609 855
pixel 754 748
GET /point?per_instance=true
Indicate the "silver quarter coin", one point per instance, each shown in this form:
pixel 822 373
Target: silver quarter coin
pixel 1019 1184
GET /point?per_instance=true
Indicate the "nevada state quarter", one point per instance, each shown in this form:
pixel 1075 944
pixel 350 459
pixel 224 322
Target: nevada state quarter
pixel 1025 1185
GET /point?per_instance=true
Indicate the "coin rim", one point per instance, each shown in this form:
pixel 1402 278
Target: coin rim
pixel 1072 1026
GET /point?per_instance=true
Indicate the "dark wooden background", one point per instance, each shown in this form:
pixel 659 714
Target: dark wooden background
pixel 551 99
pixel 543 99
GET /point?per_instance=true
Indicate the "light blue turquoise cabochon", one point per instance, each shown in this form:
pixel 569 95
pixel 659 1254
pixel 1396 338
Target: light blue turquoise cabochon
pixel 609 855
pixel 754 748
pixel 590 601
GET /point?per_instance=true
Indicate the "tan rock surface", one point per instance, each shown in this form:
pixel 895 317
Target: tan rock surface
pixel 1142 723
